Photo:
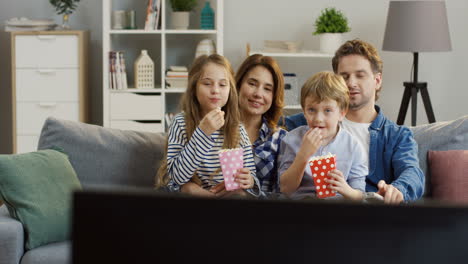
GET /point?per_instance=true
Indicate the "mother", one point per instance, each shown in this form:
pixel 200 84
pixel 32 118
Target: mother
pixel 260 86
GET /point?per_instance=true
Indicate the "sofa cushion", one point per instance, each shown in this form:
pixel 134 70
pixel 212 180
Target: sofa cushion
pixel 11 238
pixel 37 187
pixel 104 156
pixel 449 175
pixel 55 253
pixel 448 135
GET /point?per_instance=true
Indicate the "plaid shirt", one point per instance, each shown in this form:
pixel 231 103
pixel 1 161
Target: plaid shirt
pixel 266 150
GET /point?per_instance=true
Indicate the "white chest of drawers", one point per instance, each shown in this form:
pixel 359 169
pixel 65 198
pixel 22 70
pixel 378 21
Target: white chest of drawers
pixel 48 79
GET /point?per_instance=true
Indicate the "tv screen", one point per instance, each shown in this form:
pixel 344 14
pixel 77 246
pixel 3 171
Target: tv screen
pixel 152 227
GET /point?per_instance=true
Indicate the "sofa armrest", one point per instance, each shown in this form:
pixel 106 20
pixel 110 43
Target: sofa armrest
pixel 11 238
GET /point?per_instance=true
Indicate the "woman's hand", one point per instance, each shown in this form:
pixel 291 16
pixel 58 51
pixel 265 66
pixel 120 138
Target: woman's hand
pixel 338 183
pixel 195 189
pixel 212 121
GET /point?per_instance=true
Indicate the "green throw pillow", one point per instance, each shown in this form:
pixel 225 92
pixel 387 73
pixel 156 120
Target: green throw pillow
pixel 37 190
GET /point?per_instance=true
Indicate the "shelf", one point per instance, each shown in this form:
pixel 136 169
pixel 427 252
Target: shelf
pixel 134 31
pixel 133 90
pixel 175 90
pixel 301 54
pixel 190 31
pixel 159 31
pixel 295 107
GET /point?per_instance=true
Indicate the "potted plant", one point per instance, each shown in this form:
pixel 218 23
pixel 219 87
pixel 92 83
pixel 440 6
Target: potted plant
pixel 65 8
pixel 180 16
pixel 330 26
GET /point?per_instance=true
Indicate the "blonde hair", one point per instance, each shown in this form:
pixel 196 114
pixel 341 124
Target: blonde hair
pixel 192 109
pixel 273 114
pixel 326 85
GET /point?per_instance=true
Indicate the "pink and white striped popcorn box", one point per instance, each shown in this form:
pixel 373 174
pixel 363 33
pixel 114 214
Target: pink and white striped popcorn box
pixel 231 160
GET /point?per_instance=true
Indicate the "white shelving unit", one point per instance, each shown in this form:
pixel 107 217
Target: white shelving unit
pixel 145 109
pixel 306 54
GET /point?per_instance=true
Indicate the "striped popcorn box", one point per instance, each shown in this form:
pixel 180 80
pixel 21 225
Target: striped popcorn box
pixel 231 160
pixel 320 166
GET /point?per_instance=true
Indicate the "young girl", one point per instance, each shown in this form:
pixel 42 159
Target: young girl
pixel 324 101
pixel 209 122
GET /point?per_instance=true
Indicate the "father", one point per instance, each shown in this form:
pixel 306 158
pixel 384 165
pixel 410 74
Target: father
pixel 393 165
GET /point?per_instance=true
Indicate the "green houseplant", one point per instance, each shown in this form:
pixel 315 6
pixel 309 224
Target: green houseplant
pixel 180 17
pixel 330 26
pixel 65 8
pixel 183 5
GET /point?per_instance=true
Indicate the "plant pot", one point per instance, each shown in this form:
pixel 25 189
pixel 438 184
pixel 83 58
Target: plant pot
pixel 180 20
pixel 330 42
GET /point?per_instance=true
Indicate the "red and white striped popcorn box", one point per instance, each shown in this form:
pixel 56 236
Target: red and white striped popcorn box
pixel 320 166
pixel 231 160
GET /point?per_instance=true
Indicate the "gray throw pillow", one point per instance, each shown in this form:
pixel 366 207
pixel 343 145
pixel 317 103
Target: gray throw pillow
pixel 449 135
pixel 103 156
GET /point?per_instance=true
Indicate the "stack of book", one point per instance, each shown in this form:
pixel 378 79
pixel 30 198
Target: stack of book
pixel 177 77
pixel 118 74
pixel 153 11
pixel 281 46
pixel 25 24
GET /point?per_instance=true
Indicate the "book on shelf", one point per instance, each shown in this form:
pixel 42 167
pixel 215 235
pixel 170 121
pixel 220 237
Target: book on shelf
pixel 118 73
pixel 153 17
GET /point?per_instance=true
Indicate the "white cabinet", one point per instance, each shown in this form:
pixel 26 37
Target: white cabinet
pixel 145 109
pixel 49 79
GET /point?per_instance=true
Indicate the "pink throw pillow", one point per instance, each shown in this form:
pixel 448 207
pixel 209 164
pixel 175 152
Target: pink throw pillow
pixel 449 175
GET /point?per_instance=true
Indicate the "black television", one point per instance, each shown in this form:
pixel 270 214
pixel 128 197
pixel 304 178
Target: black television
pixel 152 227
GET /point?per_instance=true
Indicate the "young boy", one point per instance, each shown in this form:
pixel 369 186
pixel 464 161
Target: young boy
pixel 324 101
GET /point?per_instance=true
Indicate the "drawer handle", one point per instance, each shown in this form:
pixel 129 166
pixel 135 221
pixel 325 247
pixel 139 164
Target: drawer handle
pixel 46 37
pixel 47 104
pixel 46 71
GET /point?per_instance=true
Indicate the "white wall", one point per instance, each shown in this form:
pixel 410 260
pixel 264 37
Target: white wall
pixel 255 21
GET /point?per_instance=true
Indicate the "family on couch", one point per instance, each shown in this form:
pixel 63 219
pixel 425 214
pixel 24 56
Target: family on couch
pixel 216 116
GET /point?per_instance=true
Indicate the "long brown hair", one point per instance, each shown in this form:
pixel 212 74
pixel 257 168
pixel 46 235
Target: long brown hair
pixel 276 110
pixel 192 110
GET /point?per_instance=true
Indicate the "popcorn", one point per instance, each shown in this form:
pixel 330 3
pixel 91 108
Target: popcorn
pixel 320 166
pixel 231 160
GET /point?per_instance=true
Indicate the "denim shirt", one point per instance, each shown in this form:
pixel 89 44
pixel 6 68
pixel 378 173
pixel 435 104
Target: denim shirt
pixel 393 157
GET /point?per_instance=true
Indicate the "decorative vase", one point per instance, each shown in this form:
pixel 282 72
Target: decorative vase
pixel 65 22
pixel 207 17
pixel 330 42
pixel 180 20
pixel 205 47
pixel 144 71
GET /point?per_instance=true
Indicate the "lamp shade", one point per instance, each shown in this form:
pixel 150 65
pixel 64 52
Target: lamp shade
pixel 417 26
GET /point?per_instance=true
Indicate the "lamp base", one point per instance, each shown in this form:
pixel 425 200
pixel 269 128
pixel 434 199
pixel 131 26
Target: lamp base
pixel 411 92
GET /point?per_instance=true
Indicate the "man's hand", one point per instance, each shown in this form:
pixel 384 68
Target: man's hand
pixel 212 121
pixel 390 194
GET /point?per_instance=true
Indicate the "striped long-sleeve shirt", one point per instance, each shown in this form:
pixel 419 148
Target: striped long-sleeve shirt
pixel 200 154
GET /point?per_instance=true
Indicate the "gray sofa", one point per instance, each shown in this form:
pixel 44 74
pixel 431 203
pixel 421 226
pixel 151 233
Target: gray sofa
pixel 107 158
